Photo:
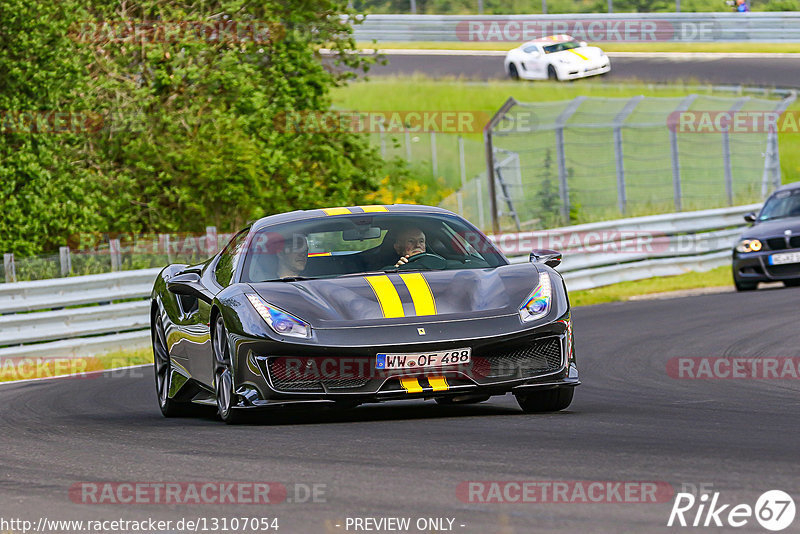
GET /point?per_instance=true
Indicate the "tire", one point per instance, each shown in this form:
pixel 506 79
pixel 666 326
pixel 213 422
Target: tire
pixel 513 73
pixel 548 400
pixel 791 283
pixel 224 388
pixel 745 286
pixel 552 73
pixel 162 362
pixel 449 401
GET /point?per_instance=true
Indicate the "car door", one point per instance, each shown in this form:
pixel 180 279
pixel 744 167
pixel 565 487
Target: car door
pixel 535 65
pixel 216 276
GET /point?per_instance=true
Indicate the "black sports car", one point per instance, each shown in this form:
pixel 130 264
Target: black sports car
pixel 344 306
pixel 769 251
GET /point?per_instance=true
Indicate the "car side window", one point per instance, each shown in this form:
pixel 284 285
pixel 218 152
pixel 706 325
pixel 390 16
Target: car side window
pixel 229 258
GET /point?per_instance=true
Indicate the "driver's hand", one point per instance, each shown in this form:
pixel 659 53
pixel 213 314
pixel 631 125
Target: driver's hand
pixel 403 260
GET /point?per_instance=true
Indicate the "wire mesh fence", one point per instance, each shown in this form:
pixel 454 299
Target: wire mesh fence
pixel 591 159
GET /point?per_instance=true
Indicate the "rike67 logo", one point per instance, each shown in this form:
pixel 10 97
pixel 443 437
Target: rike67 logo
pixel 774 510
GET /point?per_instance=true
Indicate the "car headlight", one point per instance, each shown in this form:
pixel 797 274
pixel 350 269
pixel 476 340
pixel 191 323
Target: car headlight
pixel 748 245
pixel 537 305
pixel 281 322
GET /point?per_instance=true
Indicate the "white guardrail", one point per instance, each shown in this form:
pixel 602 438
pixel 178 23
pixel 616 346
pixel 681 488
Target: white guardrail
pixel 78 316
pixel 597 27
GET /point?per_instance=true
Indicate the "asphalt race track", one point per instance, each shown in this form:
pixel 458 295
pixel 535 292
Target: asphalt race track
pixel 781 72
pixel 629 422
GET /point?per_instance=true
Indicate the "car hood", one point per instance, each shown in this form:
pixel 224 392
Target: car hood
pixel 773 228
pixel 577 55
pixel 399 298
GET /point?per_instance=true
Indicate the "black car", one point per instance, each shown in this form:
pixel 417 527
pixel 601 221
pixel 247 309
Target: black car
pixel 769 251
pixel 344 306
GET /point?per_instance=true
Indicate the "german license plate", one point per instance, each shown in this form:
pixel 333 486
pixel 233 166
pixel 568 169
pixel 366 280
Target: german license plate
pixel 424 360
pixel 783 258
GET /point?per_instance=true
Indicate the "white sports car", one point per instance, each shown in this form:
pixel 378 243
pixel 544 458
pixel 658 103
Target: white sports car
pixel 557 57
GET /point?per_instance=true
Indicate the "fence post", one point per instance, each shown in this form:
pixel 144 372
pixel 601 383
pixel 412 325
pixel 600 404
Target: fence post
pixel 434 160
pixel 489 148
pixel 463 169
pixel 726 149
pixel 66 261
pixel 408 146
pixel 622 195
pixel 211 240
pixel 10 268
pixel 560 124
pixel 772 161
pixel 115 250
pixel 675 153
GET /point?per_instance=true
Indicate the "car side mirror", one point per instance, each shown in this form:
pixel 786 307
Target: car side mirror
pixel 551 258
pixel 189 284
pixel 750 217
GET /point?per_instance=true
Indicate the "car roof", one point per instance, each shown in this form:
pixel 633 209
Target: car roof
pixel 550 39
pixel 793 185
pixel 320 213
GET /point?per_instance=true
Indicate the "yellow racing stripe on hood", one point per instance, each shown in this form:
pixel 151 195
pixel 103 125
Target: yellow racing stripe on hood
pixel 387 296
pixel 373 209
pixel 579 54
pixel 421 294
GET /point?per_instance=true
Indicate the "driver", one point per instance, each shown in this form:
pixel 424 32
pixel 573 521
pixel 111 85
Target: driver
pixel 294 256
pixel 409 242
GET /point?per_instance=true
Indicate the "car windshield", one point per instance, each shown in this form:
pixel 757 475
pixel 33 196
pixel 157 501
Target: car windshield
pixel 781 204
pixel 560 47
pixel 327 247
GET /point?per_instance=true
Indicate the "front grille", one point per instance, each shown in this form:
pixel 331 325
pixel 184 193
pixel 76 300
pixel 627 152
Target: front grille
pixel 784 271
pixel 539 357
pixel 776 243
pixel 794 242
pixel 297 378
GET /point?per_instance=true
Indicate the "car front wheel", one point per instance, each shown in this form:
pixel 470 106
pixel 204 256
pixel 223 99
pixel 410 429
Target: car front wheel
pixel 163 371
pixel 513 73
pixel 552 73
pixel 548 400
pixel 223 375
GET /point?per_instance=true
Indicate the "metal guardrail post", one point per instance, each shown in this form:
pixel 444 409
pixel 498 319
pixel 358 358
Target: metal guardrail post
pixel 463 169
pixel 115 250
pixel 622 197
pixel 772 161
pixel 675 154
pixel 434 160
pixel 487 141
pixel 560 124
pixel 10 268
pixel 65 260
pixel 726 149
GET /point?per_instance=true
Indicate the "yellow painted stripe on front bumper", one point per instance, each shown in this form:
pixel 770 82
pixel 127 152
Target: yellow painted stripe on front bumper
pixel 579 55
pixel 421 294
pixel 337 211
pixel 438 383
pixel 411 385
pixel 372 209
pixel 387 296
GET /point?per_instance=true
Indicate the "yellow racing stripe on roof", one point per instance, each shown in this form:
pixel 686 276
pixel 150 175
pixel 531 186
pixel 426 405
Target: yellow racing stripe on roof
pixel 411 385
pixel 372 209
pixel 387 296
pixel 438 383
pixel 337 211
pixel 421 294
pixel 579 54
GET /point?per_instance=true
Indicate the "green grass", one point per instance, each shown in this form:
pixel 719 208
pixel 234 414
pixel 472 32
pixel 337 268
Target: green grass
pixel 721 276
pixel 790 48
pixel 12 369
